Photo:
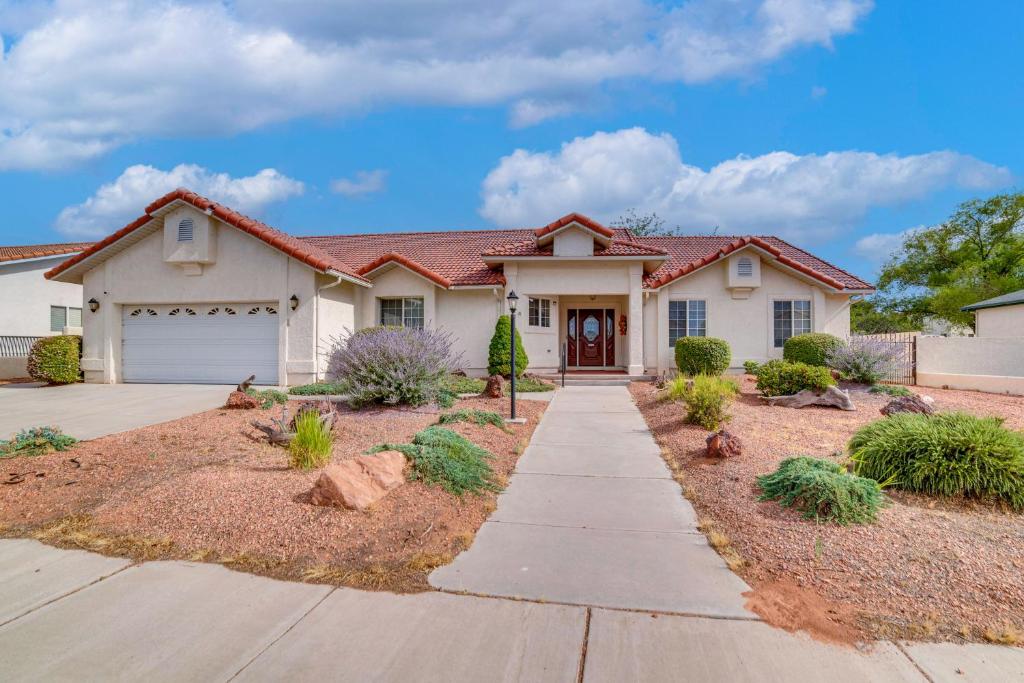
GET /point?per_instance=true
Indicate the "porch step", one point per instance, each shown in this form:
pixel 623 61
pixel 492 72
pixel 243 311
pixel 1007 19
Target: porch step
pixel 603 379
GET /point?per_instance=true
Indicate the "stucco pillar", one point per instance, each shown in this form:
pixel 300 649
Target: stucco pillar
pixel 511 283
pixel 635 320
pixel 665 351
pixel 818 319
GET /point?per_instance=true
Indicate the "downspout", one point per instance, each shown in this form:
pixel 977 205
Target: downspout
pixel 316 322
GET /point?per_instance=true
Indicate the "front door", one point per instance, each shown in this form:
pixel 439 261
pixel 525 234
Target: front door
pixel 590 336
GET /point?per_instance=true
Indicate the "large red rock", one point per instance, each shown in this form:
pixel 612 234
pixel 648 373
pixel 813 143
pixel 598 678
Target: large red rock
pixel 241 401
pixel 495 387
pixel 360 482
pixel 907 404
pixel 722 444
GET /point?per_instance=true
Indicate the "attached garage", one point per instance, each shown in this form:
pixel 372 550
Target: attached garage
pixel 200 343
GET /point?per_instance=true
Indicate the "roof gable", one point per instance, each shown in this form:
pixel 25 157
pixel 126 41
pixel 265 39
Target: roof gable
pixel 34 251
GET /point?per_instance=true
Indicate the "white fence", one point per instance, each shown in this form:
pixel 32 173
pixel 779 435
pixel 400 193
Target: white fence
pixel 981 363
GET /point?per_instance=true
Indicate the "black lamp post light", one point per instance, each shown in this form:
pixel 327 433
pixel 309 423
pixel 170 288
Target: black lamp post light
pixel 513 300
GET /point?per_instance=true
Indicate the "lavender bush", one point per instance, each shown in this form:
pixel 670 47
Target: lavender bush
pixel 865 360
pixel 393 365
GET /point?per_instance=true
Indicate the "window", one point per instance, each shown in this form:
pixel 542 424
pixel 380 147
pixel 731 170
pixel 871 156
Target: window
pixel 540 313
pixel 745 267
pixel 687 319
pixel 790 319
pixel 64 316
pixel 403 312
pixel 185 230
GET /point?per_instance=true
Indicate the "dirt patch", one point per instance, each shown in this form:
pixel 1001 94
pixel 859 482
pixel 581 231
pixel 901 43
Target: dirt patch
pixel 208 488
pixel 934 569
pixel 785 605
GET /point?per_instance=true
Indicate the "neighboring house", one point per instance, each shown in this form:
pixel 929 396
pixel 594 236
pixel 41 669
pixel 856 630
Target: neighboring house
pixel 1001 316
pixel 193 291
pixel 32 306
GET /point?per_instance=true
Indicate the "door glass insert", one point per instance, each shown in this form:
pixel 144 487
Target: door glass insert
pixel 591 328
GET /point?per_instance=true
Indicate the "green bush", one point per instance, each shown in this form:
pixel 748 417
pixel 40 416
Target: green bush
pixel 812 348
pixel 268 398
pixel 707 398
pixel 702 355
pixel 751 366
pixel 943 454
pixel 55 360
pixel 782 378
pixel 530 385
pixel 317 389
pixel 499 354
pixel 311 447
pixel 440 456
pixel 477 417
pixel 822 490
pixel 465 385
pixel 674 389
pixel 890 390
pixel 36 441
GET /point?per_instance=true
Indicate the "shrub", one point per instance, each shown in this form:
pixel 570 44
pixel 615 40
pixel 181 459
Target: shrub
pixel 477 417
pixel 36 441
pixel 674 389
pixel 702 355
pixel 822 490
pixel 812 348
pixel 782 378
pixel 944 454
pixel 751 366
pixel 394 365
pixel 529 385
pixel 707 397
pixel 317 389
pixel 499 354
pixel 268 398
pixel 311 447
pixel 458 384
pixel 55 359
pixel 865 360
pixel 891 390
pixel 440 456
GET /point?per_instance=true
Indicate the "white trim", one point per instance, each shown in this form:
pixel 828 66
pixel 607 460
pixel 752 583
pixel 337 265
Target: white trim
pixel 396 264
pixel 603 239
pixel 346 278
pixel 18 261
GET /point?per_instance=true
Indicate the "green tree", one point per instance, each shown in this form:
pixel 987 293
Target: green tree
pixel 976 254
pixel 644 225
pixel 499 354
pixel 877 316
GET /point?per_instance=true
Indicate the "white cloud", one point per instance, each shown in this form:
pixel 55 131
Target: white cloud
pixel 81 78
pixel 818 92
pixel 809 197
pixel 879 246
pixel 116 203
pixel 365 182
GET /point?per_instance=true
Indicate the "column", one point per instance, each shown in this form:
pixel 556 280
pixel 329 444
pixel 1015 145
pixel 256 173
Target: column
pixel 635 321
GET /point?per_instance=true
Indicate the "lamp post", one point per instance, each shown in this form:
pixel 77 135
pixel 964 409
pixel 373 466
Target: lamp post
pixel 512 301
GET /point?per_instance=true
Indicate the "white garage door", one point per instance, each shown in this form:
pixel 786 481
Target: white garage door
pixel 200 343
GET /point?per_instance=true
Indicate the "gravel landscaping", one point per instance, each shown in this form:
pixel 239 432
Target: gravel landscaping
pixel 208 487
pixel 928 569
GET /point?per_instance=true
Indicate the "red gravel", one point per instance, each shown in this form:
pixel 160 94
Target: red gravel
pixel 928 569
pixel 211 484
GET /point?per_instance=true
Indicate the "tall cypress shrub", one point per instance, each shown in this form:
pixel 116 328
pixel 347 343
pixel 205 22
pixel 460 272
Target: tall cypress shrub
pixel 499 354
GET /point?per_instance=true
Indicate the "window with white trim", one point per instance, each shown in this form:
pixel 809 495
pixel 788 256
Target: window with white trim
pixel 687 318
pixel 404 311
pixel 539 312
pixel 64 316
pixel 790 318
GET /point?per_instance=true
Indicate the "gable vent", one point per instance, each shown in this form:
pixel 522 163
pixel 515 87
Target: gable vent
pixel 745 267
pixel 185 229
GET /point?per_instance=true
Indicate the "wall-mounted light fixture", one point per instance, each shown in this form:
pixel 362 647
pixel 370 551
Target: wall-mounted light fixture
pixel 94 305
pixel 293 302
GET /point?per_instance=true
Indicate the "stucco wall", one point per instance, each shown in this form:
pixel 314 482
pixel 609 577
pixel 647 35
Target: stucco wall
pixel 396 282
pixel 470 315
pixel 336 315
pixel 11 368
pixel 26 297
pixel 1005 321
pixel 979 363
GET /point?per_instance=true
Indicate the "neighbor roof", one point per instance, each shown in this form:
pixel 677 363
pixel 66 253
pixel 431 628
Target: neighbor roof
pixel 1011 299
pixel 27 251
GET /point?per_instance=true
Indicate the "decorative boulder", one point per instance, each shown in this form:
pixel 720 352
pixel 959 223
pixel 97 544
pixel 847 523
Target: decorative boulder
pixel 240 400
pixel 907 404
pixel 360 482
pixel 495 387
pixel 833 396
pixel 722 444
pixel 325 409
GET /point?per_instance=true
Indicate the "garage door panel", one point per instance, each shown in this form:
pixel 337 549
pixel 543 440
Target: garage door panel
pixel 194 343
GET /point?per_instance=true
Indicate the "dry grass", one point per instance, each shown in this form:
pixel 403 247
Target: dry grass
pixel 464 540
pixel 722 544
pixel 255 564
pixel 428 562
pixel 78 531
pixel 1007 634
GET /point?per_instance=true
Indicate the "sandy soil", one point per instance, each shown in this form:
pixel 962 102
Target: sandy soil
pixel 928 569
pixel 209 487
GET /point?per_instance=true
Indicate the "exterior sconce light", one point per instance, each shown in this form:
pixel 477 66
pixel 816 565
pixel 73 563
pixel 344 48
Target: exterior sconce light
pixel 94 305
pixel 293 303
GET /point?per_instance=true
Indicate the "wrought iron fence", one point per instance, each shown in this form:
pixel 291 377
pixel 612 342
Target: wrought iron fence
pixel 905 346
pixel 16 347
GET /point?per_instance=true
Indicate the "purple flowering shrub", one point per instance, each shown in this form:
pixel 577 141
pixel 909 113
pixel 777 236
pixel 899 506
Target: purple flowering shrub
pixel 393 365
pixel 865 360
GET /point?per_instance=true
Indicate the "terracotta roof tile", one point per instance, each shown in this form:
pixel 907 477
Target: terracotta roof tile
pixel 17 253
pixel 575 218
pixel 615 248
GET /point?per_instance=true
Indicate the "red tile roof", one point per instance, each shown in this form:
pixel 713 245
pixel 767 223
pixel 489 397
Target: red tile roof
pixel 17 253
pixel 614 248
pixel 574 218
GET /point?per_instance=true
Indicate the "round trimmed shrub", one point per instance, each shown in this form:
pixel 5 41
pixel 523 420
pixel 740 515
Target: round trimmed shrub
pixel 499 354
pixel 822 490
pixel 702 355
pixel 812 348
pixel 55 360
pixel 783 378
pixel 943 454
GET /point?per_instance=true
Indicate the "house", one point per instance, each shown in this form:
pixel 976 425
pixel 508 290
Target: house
pixel 1001 316
pixel 32 306
pixel 192 291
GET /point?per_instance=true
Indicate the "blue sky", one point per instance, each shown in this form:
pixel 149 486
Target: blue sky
pixel 834 123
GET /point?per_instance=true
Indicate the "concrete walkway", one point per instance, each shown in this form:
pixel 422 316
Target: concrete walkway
pixel 593 517
pixel 89 411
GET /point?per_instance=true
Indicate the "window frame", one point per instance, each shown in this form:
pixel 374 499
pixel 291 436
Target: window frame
pixel 67 316
pixel 542 317
pixel 695 325
pixel 806 324
pixel 406 318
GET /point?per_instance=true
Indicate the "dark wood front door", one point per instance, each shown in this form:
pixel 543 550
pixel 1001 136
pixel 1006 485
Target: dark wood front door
pixel 590 336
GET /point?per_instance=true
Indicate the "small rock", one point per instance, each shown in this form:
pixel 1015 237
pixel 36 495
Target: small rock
pixel 927 399
pixel 239 400
pixel 360 482
pixel 495 387
pixel 907 404
pixel 722 444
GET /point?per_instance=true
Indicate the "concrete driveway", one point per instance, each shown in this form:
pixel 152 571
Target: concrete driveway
pixel 89 411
